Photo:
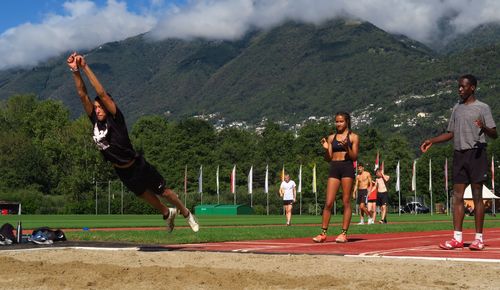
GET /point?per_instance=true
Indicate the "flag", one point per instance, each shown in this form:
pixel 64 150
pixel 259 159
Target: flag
pixel 233 180
pixel 200 180
pixel 493 174
pixel 186 179
pixel 414 176
pixel 314 179
pixel 398 182
pixel 430 174
pixel 377 161
pixel 446 175
pixel 300 179
pixel 266 182
pixel 283 173
pixel 250 180
pixel 217 179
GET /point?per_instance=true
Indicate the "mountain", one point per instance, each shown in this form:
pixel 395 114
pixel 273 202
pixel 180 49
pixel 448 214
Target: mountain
pixel 287 73
pixel 485 35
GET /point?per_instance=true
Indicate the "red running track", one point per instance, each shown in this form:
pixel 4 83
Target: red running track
pixel 410 245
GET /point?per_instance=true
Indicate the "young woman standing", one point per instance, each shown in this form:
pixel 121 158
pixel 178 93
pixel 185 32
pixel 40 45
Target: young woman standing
pixel 341 150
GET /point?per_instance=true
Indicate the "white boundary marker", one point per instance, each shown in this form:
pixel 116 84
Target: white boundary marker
pixel 429 258
pixel 71 248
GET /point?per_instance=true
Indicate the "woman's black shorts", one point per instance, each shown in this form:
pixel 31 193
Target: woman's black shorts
pixel 141 176
pixel 341 169
pixel 288 202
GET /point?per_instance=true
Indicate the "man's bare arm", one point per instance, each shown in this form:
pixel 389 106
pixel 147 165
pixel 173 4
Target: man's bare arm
pixel 108 103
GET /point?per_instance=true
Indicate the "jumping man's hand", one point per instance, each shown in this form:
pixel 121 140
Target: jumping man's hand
pixel 71 61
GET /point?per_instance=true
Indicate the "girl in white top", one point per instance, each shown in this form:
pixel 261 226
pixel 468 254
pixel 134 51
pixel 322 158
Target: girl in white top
pixel 288 192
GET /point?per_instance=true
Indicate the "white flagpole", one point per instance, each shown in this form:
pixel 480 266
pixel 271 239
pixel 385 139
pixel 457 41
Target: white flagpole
pixel 398 187
pixel 200 184
pixel 185 185
pixel 266 188
pixel 250 181
pixel 217 183
pixel 430 182
pixel 493 206
pixel 300 189
pixel 414 183
pixel 233 183
pixel 314 188
pixel 446 186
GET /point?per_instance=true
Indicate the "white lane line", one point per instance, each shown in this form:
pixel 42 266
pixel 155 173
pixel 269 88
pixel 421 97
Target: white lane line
pixel 430 258
pixel 74 248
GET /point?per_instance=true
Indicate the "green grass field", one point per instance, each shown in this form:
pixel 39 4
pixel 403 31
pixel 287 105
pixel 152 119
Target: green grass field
pixel 225 228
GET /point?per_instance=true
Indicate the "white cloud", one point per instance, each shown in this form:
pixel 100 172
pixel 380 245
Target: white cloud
pixel 84 26
pixel 427 21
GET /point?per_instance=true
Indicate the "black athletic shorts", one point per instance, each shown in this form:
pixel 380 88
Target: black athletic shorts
pixel 341 169
pixel 362 195
pixel 470 166
pixel 141 176
pixel 382 198
pixel 288 202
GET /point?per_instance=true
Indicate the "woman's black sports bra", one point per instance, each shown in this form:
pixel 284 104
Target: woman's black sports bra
pixel 336 147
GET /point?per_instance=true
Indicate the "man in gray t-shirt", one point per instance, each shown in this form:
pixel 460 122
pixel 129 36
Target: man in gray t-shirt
pixel 470 122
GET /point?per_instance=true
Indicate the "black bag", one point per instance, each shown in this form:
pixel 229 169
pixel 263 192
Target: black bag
pixel 45 235
pixel 7 236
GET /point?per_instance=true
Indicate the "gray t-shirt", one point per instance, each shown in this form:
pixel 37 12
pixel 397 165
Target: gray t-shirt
pixel 466 135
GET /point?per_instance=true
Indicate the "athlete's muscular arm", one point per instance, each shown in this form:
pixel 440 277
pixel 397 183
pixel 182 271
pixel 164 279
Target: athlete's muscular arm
pixel 370 183
pixel 108 103
pixel 355 189
pixel 80 85
pixel 438 139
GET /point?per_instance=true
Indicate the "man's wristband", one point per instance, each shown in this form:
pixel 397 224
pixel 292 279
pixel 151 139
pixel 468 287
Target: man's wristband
pixel 74 69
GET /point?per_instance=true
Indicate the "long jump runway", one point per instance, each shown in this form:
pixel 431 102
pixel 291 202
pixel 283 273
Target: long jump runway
pixel 423 245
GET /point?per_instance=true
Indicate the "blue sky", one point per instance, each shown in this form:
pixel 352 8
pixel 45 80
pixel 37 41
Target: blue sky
pixel 17 12
pixel 31 31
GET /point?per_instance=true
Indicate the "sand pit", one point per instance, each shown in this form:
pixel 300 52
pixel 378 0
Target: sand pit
pixel 130 269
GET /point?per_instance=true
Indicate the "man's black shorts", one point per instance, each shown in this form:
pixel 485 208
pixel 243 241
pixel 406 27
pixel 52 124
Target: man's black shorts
pixel 287 201
pixel 362 194
pixel 382 198
pixel 470 166
pixel 141 176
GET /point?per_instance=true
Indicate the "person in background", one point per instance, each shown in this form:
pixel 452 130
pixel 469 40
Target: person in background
pixel 372 203
pixel 362 185
pixel 382 194
pixel 288 191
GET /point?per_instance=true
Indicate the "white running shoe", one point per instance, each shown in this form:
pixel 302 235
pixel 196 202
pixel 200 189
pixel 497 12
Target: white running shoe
pixel 361 223
pixel 193 223
pixel 172 212
pixel 370 221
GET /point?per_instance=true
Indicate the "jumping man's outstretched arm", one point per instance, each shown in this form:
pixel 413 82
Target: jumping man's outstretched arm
pixel 80 85
pixel 108 103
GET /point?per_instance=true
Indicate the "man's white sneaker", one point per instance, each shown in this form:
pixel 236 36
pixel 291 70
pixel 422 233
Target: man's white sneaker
pixel 172 212
pixel 370 221
pixel 193 223
pixel 361 223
